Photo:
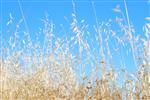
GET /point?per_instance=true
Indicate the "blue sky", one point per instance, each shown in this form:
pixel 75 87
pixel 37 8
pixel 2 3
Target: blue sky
pixel 60 11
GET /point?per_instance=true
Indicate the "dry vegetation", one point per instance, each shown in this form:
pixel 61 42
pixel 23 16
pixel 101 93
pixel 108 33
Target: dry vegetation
pixel 31 70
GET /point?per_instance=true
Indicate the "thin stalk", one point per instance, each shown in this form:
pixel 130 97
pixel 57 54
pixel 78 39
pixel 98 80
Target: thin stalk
pixel 131 41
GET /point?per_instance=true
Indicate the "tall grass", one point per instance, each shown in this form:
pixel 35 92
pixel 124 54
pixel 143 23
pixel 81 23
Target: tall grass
pixel 51 70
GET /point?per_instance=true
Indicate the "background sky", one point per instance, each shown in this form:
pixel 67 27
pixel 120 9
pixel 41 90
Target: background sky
pixel 60 11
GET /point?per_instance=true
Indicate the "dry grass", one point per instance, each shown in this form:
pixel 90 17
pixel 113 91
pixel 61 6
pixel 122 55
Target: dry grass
pixel 30 71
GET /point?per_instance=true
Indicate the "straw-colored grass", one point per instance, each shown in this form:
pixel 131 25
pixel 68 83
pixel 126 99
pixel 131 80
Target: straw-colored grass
pixel 56 69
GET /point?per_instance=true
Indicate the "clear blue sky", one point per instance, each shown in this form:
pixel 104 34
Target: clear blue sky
pixel 58 10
